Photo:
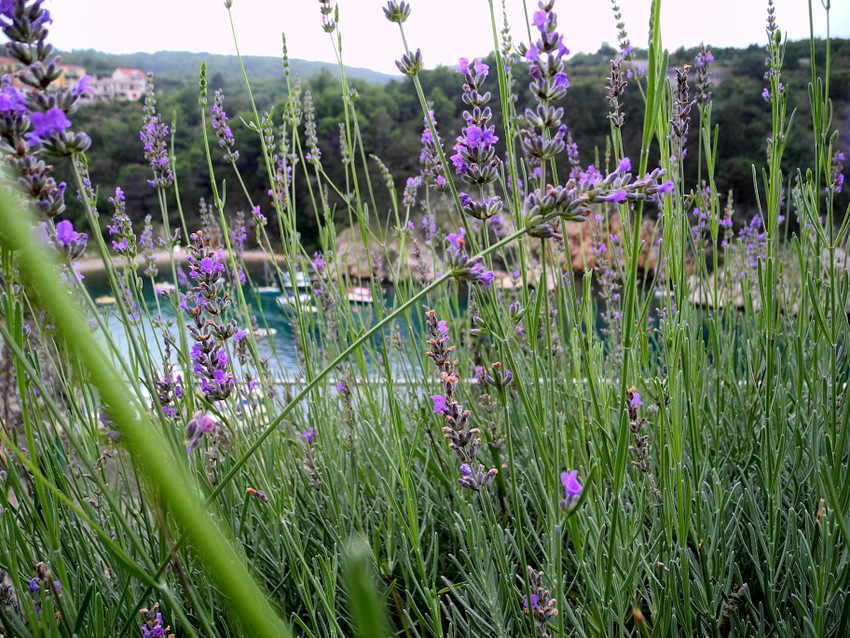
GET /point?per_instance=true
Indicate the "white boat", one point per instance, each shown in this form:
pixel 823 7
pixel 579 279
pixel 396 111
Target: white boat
pixel 267 291
pixel 359 294
pixel 302 281
pixel 290 301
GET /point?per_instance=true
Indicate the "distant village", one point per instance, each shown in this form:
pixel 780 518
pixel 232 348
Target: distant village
pixel 124 85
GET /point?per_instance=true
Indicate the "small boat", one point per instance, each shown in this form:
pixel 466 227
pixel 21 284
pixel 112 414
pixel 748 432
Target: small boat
pixel 359 294
pixel 302 281
pixel 262 333
pixel 290 301
pixel 267 291
pixel 105 300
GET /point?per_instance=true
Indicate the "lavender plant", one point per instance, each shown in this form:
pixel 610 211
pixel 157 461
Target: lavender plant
pixel 192 464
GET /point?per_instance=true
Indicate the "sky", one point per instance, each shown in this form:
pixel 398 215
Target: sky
pixel 444 30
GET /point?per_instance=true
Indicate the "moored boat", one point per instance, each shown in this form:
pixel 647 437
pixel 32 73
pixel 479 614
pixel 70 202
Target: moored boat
pixel 291 301
pixel 358 294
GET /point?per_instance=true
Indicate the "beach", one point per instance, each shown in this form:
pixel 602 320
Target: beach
pixel 93 263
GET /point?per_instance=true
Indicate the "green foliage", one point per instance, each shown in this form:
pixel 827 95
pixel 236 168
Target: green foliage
pixel 391 118
pixel 697 385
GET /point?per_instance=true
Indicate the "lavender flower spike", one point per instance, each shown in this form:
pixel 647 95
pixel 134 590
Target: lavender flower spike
pixel 154 135
pixel 572 490
pixel 209 354
pixel 475 160
pixel 222 130
pixel 476 480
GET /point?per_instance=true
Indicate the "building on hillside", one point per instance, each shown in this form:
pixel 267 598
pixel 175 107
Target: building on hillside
pixel 71 75
pixel 7 65
pixel 124 85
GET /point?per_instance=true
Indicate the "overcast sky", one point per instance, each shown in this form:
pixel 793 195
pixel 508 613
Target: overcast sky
pixel 444 29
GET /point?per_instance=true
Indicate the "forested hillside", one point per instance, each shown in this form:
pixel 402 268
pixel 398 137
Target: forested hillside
pixel 390 119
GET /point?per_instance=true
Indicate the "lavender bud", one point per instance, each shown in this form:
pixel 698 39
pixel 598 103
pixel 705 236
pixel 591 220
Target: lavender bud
pixel 397 11
pixel 516 311
pixel 410 64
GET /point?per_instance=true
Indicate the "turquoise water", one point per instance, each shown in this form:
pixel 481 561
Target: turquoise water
pixel 279 342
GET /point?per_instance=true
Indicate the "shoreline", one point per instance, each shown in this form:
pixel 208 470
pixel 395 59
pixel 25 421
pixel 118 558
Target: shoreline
pixel 95 264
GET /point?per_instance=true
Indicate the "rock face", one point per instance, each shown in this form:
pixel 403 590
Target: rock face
pixel 390 260
pixel 579 238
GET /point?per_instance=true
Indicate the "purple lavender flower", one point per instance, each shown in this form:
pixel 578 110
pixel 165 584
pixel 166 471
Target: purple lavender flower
pixel 12 101
pixel 457 239
pixel 410 188
pixel 147 247
pixel 462 440
pixel 209 356
pixel 431 172
pixel 309 435
pixel 499 379
pixel 461 265
pixel 549 83
pixel 222 130
pixel 543 607
pixel 33 123
pixel 439 403
pixel 169 387
pixel 572 490
pixel 154 135
pixel 836 173
pixel 7 10
pixel 258 216
pixel 208 268
pixel 200 425
pixel 327 11
pixel 636 400
pixel 703 62
pixel 475 161
pixel 484 276
pixel 617 197
pixel 429 227
pixel 46 124
pixel 24 23
pixel 681 119
pixel 82 87
pixel 260 494
pixel 475 480
pixel 154 626
pixel 314 155
pixel 665 188
pixel 570 201
pixel 69 242
pixel 122 227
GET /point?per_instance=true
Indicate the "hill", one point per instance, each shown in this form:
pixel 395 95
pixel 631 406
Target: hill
pixel 390 122
pixel 174 65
